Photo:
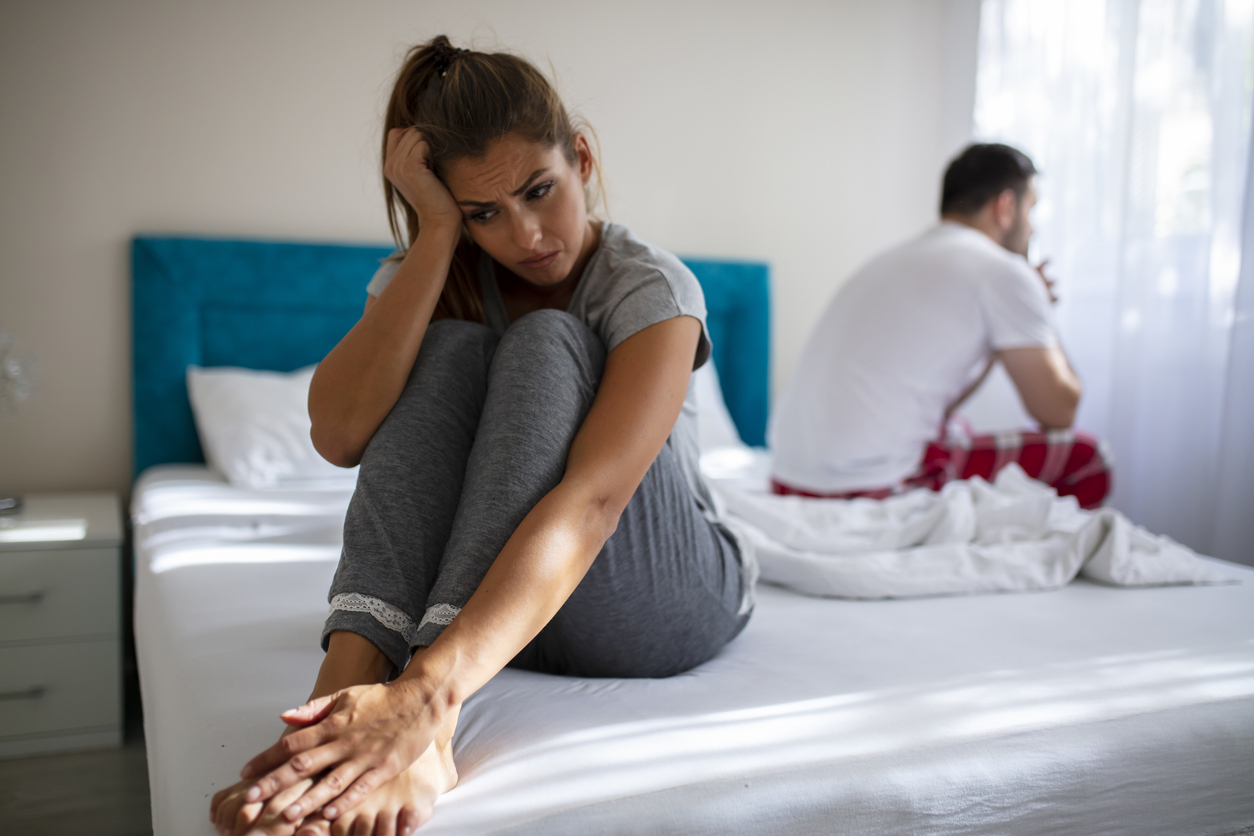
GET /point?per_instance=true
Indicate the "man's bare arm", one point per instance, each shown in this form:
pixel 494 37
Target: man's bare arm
pixel 1048 386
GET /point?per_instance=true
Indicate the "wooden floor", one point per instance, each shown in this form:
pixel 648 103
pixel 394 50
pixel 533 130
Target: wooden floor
pixel 102 793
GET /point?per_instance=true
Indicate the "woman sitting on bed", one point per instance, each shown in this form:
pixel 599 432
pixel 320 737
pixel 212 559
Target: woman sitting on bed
pixel 517 394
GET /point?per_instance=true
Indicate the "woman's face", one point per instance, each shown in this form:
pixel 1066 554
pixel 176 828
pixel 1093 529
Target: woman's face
pixel 524 205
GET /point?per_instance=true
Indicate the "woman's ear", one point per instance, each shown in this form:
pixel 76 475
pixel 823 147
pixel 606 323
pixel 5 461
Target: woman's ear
pixel 584 153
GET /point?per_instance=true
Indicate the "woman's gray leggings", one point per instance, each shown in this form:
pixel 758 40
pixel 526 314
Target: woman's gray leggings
pixel 479 435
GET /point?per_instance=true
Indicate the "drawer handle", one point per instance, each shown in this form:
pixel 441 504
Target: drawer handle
pixel 28 598
pixel 29 694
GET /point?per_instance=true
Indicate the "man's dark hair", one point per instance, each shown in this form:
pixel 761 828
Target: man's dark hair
pixel 980 173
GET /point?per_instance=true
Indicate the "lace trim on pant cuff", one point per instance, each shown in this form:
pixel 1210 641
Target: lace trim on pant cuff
pixel 441 614
pixel 383 612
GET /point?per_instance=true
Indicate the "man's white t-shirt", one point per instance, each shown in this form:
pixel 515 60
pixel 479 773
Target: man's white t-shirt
pixel 896 346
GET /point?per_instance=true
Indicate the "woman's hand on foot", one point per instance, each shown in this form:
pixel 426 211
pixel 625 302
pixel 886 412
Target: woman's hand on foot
pixel 361 737
pixel 234 815
pixel 397 808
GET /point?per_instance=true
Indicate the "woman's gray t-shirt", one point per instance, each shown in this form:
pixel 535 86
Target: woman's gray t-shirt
pixel 627 286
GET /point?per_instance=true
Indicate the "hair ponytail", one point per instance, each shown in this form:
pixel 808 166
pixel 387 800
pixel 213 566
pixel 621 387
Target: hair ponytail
pixel 461 297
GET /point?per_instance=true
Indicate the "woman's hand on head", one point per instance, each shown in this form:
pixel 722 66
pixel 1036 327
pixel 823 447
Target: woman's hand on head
pixel 407 166
pixel 360 737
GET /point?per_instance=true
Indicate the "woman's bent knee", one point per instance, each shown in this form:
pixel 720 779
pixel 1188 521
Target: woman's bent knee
pixel 548 335
pixel 450 344
pixel 546 320
pixel 443 394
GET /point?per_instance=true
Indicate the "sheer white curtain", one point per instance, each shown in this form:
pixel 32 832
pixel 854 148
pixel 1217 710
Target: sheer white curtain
pixel 1137 113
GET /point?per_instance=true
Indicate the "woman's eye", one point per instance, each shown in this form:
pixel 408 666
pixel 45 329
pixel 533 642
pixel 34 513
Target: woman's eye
pixel 481 216
pixel 540 191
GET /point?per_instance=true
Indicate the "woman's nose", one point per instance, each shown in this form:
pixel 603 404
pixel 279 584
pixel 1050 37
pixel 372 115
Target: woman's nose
pixel 526 230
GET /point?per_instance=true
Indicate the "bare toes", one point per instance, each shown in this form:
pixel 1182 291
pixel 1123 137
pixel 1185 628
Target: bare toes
pixel 314 826
pixel 388 824
pixel 413 818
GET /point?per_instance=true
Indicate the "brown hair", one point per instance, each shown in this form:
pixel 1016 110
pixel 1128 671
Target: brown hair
pixel 980 173
pixel 462 101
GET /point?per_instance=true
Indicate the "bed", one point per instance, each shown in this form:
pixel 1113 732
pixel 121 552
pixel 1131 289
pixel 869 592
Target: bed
pixel 1085 709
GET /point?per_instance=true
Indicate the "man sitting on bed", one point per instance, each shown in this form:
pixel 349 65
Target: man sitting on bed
pixel 915 332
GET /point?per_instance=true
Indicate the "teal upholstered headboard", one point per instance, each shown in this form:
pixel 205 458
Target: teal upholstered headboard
pixel 284 305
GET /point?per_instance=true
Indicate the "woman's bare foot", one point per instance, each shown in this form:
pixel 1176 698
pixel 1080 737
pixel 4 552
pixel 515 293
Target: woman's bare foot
pixel 398 807
pixel 351 660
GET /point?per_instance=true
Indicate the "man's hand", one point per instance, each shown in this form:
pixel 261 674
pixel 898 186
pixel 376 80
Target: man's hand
pixel 1047 281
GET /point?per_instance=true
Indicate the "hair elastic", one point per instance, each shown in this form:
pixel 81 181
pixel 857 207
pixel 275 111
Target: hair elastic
pixel 444 56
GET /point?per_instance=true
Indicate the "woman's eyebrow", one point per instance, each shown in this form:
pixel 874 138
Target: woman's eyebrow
pixel 490 203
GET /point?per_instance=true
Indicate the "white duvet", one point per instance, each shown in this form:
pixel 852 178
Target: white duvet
pixel 1014 534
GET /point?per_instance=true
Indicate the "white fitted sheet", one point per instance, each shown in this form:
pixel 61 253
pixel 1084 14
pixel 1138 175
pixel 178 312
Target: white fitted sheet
pixel 1082 709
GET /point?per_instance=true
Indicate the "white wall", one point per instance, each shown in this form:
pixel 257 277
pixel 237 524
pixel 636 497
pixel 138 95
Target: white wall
pixel 807 134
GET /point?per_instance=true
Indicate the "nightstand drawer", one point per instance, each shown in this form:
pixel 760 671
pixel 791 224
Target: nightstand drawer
pixel 59 593
pixel 59 688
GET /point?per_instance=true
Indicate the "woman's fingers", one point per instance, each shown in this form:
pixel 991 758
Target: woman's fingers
pixel 269 822
pixel 310 712
pixel 406 141
pixel 266 761
pixel 401 142
pixel 408 168
pixel 366 783
pixel 324 791
pixel 301 766
pixel 361 754
pixel 288 747
pixel 394 137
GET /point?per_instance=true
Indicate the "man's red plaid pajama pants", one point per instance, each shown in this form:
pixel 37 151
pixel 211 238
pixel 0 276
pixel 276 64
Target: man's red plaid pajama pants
pixel 1073 463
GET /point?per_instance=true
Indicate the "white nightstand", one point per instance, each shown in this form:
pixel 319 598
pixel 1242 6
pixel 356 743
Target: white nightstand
pixel 60 624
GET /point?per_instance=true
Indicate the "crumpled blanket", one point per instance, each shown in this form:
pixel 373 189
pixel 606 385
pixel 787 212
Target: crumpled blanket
pixel 1014 534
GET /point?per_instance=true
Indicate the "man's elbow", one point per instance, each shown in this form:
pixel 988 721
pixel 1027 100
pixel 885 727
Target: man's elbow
pixel 1059 420
pixel 1059 412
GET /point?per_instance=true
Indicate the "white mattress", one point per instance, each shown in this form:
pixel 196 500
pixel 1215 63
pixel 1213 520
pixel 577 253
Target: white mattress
pixel 1085 709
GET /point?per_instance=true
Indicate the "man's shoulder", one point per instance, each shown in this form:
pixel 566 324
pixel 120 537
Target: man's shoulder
pixel 944 254
pixel 969 255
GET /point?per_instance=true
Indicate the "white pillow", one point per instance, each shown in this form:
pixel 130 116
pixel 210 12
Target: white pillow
pixel 715 428
pixel 254 428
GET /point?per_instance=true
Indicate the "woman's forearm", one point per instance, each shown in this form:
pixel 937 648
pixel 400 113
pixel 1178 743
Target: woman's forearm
pixel 535 573
pixel 359 382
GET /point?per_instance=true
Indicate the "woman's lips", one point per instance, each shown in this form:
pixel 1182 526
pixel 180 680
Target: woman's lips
pixel 541 260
